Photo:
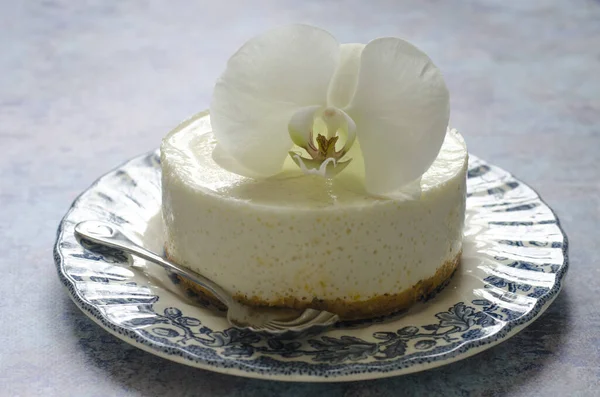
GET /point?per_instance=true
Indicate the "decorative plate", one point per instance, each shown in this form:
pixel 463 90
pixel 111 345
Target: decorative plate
pixel 514 261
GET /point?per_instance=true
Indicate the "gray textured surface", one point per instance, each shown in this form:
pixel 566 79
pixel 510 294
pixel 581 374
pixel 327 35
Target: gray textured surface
pixel 86 85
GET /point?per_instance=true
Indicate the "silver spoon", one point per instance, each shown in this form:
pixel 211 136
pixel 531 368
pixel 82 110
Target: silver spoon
pixel 239 315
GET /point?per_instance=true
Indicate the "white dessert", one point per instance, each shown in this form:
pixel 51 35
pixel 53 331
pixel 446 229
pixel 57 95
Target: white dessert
pixel 304 241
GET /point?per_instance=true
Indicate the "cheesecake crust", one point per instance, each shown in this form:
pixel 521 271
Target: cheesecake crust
pixel 350 309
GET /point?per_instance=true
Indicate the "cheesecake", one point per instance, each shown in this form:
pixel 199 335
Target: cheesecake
pixel 296 240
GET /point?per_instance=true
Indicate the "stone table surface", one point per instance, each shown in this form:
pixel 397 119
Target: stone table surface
pixel 85 85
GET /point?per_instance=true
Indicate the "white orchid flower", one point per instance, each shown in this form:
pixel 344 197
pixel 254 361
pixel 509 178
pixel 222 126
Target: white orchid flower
pixel 297 86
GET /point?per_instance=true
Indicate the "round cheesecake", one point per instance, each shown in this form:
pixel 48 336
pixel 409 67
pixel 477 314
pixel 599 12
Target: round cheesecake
pixel 301 241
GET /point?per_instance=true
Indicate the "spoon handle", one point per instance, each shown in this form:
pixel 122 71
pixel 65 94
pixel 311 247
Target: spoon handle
pixel 111 236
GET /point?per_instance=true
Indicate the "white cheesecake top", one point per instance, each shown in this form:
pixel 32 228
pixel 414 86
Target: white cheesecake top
pixel 190 146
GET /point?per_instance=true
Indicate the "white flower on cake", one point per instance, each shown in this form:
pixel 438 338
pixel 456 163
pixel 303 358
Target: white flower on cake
pixel 296 91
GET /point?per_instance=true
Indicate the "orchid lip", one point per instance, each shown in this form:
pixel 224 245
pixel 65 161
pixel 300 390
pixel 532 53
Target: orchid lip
pixel 328 168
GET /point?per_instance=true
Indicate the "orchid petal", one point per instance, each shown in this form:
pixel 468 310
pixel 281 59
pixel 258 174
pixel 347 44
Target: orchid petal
pixel 343 83
pixel 224 160
pixel 348 127
pixel 264 84
pixel 401 110
pixel 300 126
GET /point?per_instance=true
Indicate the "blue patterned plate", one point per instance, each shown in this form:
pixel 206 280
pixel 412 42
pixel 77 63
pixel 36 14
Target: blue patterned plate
pixel 514 261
